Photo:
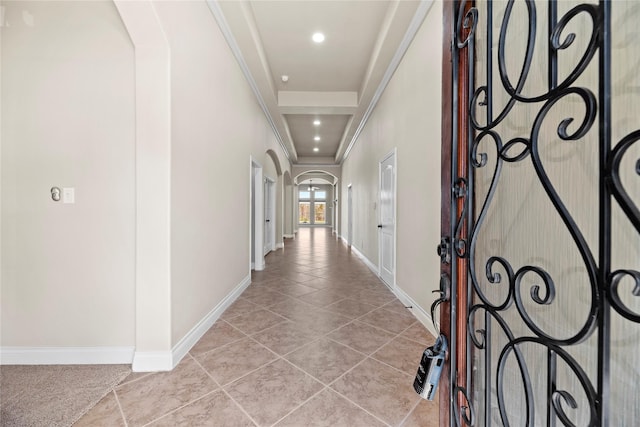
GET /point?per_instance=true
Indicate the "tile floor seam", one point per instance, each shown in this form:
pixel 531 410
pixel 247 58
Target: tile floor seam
pixel 373 307
pixel 219 347
pixel 300 405
pixel 308 373
pixel 300 302
pixel 238 315
pixel 181 407
pixel 126 424
pixel 227 384
pixel 411 326
pixel 304 372
pixel 368 356
pixel 274 361
pixel 354 349
pixel 324 307
pixel 374 360
pixel 302 346
pixel 360 407
pixel 234 327
pixel 410 412
pixel 284 319
pixel 412 340
pixel 357 318
pixel 283 294
pixel 386 330
pixel 197 362
pixel 194 400
pixel 409 315
pixel 133 381
pixel 240 407
pixel 392 367
pixel 402 315
pixel 380 347
pixel 269 328
pixel 346 372
pixel 395 334
pixel 259 343
pixel 221 388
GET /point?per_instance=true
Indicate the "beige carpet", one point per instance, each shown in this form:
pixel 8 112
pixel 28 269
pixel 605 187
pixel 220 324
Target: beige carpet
pixel 52 396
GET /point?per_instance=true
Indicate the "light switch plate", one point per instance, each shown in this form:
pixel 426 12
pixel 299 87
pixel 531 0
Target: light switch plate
pixel 69 195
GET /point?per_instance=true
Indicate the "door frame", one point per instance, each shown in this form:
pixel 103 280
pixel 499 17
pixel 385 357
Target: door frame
pixel 349 215
pixel 450 126
pixel 270 215
pixel 256 216
pixel 393 153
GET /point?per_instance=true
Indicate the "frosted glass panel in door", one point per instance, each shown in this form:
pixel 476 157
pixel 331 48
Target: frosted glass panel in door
pixel 536 334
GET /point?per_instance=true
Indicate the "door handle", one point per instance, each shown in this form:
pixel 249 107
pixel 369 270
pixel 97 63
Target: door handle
pixel 268 220
pixel 379 225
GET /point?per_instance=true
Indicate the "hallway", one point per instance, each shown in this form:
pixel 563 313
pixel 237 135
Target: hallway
pixel 316 340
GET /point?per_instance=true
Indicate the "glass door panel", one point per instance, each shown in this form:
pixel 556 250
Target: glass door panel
pixel 304 212
pixel 320 210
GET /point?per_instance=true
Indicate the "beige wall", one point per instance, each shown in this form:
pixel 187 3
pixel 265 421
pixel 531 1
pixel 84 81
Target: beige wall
pixel 216 126
pixel 70 118
pixel 407 117
pixel 67 121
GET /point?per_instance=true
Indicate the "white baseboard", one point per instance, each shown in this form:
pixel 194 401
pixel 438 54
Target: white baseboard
pixel 66 355
pixel 289 236
pixel 367 261
pixel 279 246
pixel 152 361
pixel 418 312
pixel 140 361
pixel 194 335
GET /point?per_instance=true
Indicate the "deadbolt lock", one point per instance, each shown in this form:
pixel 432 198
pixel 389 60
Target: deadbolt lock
pixel 444 250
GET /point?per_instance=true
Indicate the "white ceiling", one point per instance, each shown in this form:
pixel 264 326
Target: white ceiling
pixel 337 81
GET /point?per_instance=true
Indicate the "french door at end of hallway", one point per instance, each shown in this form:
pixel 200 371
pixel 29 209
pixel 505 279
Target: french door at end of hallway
pixel 540 249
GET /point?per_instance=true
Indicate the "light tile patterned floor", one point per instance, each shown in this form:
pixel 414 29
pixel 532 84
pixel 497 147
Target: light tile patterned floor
pixel 316 340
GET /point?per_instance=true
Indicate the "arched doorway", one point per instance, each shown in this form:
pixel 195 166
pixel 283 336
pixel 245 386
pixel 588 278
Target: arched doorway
pixel 316 199
pixel 274 227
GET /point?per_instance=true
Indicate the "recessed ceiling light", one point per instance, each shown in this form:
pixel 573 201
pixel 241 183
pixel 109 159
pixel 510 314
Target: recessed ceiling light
pixel 316 138
pixel 316 122
pixel 316 149
pixel 318 37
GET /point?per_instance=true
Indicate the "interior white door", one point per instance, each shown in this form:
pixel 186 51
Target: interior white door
pixel 257 217
pixel 387 224
pixel 268 216
pixel 350 215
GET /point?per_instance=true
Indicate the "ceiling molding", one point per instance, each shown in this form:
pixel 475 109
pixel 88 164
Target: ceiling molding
pixel 416 22
pixel 317 99
pixel 237 53
pixel 314 174
pixel 254 31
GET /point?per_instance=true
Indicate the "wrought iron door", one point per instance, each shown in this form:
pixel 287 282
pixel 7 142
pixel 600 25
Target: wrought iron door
pixel 543 251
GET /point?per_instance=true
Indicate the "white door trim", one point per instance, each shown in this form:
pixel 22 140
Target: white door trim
pixel 392 153
pixel 349 215
pixel 269 206
pixel 256 218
